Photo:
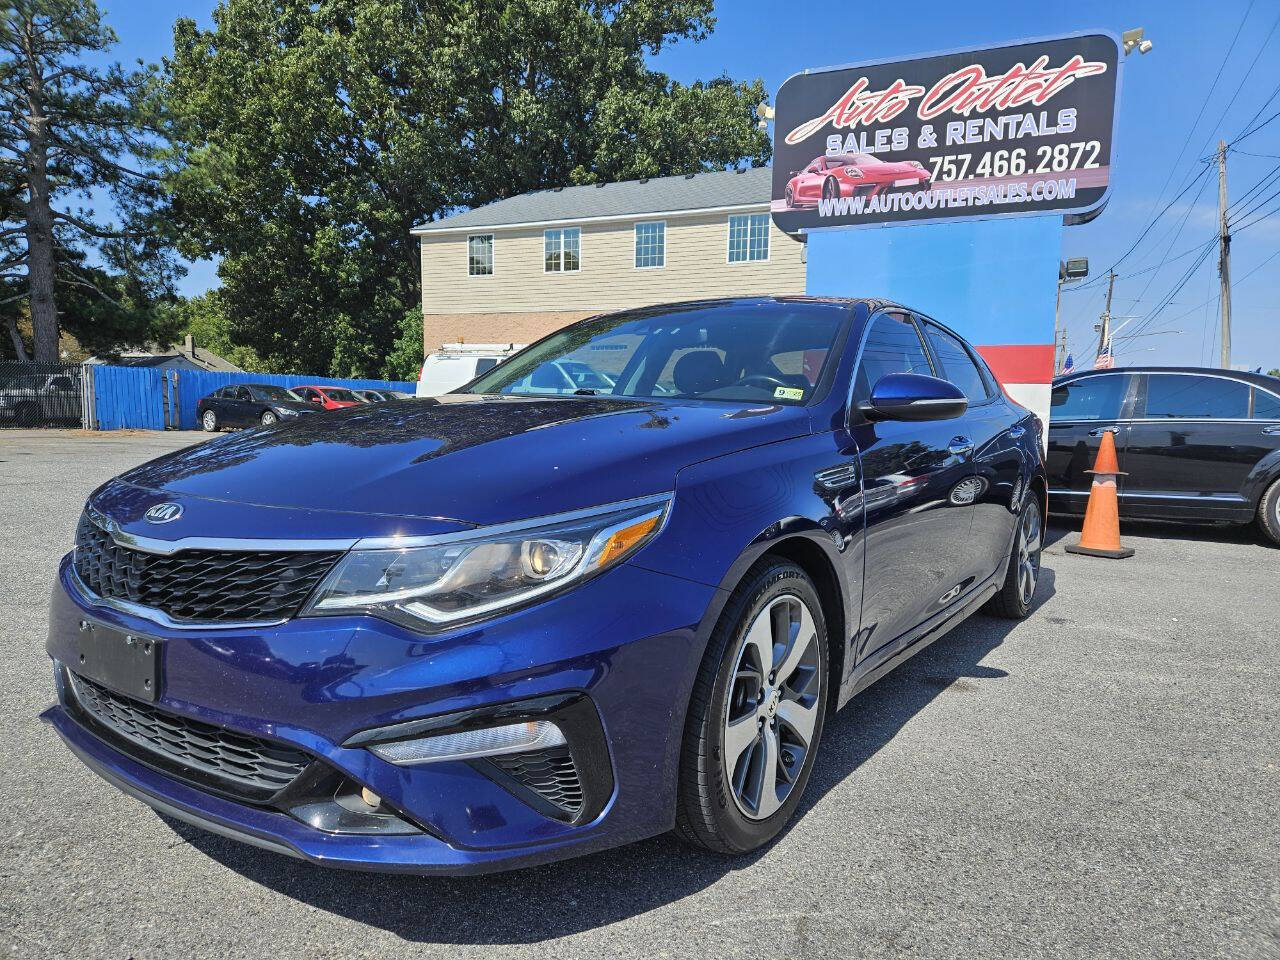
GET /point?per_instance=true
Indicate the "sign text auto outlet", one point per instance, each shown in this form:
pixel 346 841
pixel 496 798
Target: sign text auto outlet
pixel 1025 128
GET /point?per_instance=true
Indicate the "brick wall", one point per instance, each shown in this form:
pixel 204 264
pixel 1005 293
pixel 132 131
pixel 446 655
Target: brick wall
pixel 439 328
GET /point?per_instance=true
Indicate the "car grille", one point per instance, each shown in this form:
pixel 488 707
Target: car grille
pixel 238 765
pixel 200 586
pixel 549 773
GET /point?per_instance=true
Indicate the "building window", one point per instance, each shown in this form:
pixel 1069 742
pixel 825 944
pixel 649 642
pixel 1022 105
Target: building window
pixel 651 244
pixel 561 250
pixel 480 255
pixel 748 237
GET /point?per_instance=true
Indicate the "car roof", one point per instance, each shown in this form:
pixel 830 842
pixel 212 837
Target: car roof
pixel 1246 376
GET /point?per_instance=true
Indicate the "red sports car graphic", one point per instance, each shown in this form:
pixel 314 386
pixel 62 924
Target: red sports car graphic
pixel 843 175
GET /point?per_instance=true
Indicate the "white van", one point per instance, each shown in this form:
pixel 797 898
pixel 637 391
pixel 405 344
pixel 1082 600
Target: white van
pixel 455 364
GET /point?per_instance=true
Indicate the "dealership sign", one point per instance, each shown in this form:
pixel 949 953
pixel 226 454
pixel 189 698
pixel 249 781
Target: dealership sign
pixel 1019 129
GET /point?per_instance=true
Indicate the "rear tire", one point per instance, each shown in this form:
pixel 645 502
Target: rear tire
pixel 209 420
pixel 769 715
pixel 1019 591
pixel 1269 513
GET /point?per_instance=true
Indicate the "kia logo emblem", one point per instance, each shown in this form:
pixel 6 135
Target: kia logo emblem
pixel 164 513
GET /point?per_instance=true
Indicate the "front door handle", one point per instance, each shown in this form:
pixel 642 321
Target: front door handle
pixel 961 446
pixel 1272 430
pixel 1099 431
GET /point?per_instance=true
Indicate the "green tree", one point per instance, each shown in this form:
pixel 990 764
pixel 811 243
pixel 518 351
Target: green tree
pixel 310 137
pixel 70 133
pixel 205 317
pixel 1274 372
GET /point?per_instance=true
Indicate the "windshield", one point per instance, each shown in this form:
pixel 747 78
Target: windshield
pixel 341 396
pixel 271 392
pixel 773 351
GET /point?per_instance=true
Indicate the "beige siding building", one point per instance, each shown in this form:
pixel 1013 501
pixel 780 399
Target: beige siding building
pixel 516 270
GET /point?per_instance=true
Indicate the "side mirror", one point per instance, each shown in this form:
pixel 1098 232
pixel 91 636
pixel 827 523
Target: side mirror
pixel 910 396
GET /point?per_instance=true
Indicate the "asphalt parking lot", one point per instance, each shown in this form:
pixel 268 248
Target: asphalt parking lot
pixel 1101 780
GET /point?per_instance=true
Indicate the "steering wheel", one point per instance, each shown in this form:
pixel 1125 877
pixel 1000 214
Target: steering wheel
pixel 761 380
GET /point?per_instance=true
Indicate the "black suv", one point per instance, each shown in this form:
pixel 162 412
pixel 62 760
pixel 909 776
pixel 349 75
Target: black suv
pixel 1196 443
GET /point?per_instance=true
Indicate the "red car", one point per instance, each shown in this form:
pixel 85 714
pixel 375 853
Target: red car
pixel 843 175
pixel 330 398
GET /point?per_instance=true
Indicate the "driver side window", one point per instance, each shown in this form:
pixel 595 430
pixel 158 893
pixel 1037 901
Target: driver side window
pixel 892 346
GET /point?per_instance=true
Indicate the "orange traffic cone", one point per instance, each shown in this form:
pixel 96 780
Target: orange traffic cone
pixel 1101 534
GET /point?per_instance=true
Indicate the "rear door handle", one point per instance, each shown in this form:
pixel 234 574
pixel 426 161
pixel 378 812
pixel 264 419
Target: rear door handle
pixel 1272 430
pixel 1099 431
pixel 960 446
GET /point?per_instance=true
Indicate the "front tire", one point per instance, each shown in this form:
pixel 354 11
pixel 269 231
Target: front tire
pixel 209 420
pixel 756 713
pixel 269 418
pixel 1269 513
pixel 830 189
pixel 1019 590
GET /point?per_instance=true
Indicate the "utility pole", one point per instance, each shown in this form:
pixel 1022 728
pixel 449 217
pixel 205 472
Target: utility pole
pixel 1224 257
pixel 1104 335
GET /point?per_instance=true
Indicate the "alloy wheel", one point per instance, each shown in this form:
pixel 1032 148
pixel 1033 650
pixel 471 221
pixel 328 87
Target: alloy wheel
pixel 1028 553
pixel 772 706
pixel 268 418
pixel 210 420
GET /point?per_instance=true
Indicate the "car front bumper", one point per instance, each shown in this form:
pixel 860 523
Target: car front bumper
pixel 627 642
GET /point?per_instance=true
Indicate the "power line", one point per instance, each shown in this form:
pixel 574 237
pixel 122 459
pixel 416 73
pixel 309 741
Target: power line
pixel 1258 205
pixel 1234 283
pixel 1258 219
pixel 1261 184
pixel 1256 128
pixel 1147 229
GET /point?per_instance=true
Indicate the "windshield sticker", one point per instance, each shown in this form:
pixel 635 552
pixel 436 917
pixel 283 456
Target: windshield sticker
pixel 788 393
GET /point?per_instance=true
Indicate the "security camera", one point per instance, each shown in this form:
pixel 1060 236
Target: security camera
pixel 1132 40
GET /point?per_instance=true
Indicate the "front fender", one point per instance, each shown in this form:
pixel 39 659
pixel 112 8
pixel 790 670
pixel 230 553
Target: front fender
pixel 728 512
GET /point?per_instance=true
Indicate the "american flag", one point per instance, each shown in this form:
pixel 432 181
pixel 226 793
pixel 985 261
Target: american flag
pixel 1069 365
pixel 1105 361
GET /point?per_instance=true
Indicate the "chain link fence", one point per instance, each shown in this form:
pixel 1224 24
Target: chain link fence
pixel 41 395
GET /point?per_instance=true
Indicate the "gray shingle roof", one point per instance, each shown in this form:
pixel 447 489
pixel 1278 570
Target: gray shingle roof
pixel 720 188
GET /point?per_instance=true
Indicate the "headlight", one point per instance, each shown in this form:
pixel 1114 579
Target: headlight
pixel 286 412
pixel 444 580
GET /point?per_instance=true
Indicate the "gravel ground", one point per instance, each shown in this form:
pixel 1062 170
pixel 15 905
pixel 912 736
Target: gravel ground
pixel 1098 781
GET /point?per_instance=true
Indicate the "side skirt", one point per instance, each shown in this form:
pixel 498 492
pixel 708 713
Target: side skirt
pixel 929 631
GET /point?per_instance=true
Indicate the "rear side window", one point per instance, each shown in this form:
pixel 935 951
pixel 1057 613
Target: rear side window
pixel 1266 406
pixel 957 365
pixel 892 346
pixel 1091 398
pixel 1196 398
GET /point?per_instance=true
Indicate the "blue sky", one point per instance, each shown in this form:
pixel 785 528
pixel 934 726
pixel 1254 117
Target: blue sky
pixel 1161 95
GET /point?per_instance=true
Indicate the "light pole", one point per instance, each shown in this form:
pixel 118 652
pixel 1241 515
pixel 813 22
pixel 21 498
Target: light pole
pixel 1069 271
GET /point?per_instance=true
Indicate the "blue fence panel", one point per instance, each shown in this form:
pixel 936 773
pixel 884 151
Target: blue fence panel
pixel 134 397
pixel 128 398
pixel 194 384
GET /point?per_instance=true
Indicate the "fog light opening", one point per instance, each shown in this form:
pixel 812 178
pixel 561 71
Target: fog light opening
pixel 370 798
pixel 472 744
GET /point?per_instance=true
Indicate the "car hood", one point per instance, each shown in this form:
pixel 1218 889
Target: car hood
pixel 471 459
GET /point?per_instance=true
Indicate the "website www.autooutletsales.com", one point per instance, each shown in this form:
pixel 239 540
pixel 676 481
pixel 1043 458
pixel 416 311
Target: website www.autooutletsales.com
pixel 941 198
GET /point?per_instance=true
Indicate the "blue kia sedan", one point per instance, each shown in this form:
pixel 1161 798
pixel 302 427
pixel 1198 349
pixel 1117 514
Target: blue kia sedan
pixel 514 626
